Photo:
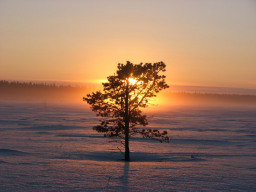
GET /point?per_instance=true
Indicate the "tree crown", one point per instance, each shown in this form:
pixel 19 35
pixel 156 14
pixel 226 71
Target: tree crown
pixel 123 96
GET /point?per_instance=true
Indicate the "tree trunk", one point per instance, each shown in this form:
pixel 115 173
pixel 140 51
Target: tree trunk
pixel 127 121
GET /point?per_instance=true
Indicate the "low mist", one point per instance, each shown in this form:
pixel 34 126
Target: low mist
pixel 66 94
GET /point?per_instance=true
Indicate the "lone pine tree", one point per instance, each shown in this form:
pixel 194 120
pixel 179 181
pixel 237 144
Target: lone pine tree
pixel 123 96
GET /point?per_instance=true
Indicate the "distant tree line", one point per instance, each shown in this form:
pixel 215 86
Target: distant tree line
pixel 16 90
pixel 18 84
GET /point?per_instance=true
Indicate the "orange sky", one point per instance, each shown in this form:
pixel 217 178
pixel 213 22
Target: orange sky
pixel 209 43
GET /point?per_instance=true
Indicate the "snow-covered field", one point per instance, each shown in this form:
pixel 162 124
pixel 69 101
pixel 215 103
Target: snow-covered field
pixel 53 148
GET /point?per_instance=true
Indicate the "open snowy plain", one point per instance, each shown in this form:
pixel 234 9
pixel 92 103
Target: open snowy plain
pixel 53 148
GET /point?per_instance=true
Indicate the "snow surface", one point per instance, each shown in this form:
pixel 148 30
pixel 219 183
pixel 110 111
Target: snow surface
pixel 53 148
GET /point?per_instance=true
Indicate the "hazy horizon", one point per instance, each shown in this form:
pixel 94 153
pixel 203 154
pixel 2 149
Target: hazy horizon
pixel 59 93
pixel 173 87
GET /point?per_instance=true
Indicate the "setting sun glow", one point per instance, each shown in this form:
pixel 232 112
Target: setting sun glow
pixel 133 81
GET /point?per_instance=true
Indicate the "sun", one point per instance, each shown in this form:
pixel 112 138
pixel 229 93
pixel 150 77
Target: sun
pixel 132 81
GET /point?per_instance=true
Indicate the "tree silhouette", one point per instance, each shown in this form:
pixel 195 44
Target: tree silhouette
pixel 123 96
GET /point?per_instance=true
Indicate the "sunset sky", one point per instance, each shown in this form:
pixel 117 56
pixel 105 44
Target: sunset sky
pixel 202 42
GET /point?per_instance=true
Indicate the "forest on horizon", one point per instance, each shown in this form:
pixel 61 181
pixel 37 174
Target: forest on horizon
pixel 51 92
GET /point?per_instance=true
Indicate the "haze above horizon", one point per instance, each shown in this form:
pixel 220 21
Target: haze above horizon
pixel 206 43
